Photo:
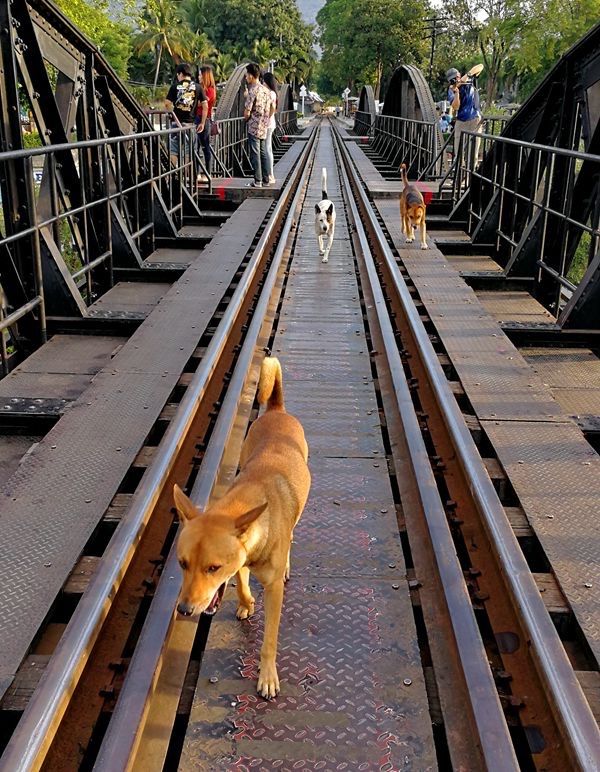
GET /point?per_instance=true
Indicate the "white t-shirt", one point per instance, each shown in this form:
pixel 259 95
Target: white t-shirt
pixel 272 122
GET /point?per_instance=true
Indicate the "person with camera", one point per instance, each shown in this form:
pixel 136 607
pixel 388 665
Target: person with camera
pixel 464 100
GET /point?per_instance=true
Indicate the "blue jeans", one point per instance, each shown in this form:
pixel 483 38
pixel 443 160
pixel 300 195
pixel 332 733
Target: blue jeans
pixel 174 140
pixel 258 158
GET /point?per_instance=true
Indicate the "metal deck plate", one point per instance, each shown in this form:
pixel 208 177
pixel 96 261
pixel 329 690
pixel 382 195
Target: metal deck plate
pixel 574 368
pixel 12 450
pixel 60 370
pixel 512 306
pixel 129 299
pixel 353 694
pixel 62 489
pixel 556 476
pixel 473 264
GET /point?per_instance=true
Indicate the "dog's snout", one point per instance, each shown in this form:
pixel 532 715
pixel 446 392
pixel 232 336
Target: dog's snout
pixel 185 609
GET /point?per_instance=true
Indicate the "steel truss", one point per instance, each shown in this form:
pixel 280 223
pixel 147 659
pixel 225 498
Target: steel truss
pixel 55 74
pixel 535 196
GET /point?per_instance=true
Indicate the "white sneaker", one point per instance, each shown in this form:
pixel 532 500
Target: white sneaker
pixel 254 184
pixel 272 180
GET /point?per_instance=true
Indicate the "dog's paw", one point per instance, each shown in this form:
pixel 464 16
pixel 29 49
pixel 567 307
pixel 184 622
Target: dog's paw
pixel 325 259
pixel 268 681
pixel 424 245
pixel 321 251
pixel 245 610
pixel 409 240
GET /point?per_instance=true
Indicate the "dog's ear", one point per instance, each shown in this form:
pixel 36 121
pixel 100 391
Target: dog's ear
pixel 243 521
pixel 317 209
pixel 185 509
pixel 329 211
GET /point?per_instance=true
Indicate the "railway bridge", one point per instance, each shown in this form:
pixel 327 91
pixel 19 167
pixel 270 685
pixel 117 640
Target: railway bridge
pixel 443 610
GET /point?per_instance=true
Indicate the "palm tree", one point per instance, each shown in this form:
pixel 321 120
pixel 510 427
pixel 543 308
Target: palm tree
pixel 161 28
pixel 223 65
pixel 195 46
pixel 262 52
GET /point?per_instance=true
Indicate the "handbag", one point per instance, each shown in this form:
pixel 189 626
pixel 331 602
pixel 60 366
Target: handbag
pixel 214 129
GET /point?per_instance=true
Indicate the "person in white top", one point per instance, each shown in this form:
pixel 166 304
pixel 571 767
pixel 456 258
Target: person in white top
pixel 271 84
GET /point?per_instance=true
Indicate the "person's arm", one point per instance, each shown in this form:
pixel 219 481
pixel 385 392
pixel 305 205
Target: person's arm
pixel 456 101
pixel 169 101
pixel 248 104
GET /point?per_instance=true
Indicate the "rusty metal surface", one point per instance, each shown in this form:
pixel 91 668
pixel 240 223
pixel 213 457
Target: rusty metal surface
pixel 343 662
pixel 573 376
pixel 473 264
pixel 514 306
pixel 556 476
pixel 353 694
pixel 565 367
pixel 62 489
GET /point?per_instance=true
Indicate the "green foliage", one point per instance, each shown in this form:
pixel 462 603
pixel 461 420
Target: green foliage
pixel 113 38
pixel 547 29
pixel 258 30
pixel 363 40
pixel 518 41
pixel 31 139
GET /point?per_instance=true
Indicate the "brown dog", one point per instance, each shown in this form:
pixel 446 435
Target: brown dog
pixel 251 527
pixel 412 210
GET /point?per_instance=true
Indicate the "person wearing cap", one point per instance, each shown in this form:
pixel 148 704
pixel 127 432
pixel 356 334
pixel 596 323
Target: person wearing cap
pixel 464 100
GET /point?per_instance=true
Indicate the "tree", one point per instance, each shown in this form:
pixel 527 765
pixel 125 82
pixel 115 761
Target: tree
pixel 492 24
pixel 235 25
pixel 547 29
pixel 112 38
pixel 162 28
pixel 362 39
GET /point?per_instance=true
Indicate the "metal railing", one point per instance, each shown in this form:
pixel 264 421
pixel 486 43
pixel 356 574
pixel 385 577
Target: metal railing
pixel 444 164
pixel 403 140
pixel 529 201
pixel 363 123
pixel 87 203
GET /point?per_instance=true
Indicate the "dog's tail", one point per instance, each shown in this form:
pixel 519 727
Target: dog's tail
pixel 404 175
pixel 270 384
pixel 324 184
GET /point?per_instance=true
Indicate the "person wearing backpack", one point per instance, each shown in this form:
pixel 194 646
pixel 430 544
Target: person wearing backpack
pixel 183 99
pixel 257 113
pixel 464 100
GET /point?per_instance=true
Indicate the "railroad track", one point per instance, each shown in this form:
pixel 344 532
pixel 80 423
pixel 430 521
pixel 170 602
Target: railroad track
pixel 119 690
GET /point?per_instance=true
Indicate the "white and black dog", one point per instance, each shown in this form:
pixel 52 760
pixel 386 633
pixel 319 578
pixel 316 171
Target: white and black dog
pixel 324 219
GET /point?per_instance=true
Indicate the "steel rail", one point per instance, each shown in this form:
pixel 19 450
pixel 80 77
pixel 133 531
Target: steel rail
pixel 119 745
pixel 486 710
pixel 566 698
pixel 38 725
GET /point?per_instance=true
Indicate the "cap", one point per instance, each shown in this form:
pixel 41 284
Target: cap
pixel 452 73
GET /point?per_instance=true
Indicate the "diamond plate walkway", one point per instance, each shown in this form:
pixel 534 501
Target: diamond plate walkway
pixel 352 688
